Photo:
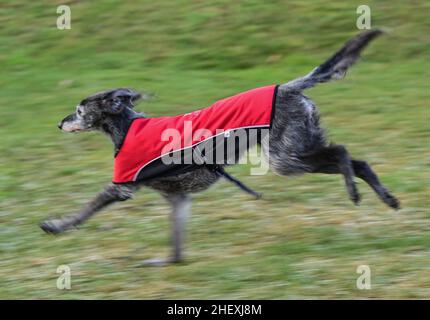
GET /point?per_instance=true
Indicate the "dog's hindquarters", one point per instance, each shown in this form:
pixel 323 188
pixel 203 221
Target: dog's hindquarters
pixel 295 131
pixel 295 128
pixel 297 144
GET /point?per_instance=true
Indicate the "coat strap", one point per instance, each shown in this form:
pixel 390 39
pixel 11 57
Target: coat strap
pixel 221 172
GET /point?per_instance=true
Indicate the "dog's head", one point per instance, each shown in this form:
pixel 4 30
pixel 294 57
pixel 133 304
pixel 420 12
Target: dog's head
pixel 92 112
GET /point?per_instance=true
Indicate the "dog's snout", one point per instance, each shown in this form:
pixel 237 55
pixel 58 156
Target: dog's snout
pixel 66 120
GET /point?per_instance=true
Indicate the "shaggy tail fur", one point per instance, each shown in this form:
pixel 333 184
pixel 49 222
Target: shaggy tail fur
pixel 336 66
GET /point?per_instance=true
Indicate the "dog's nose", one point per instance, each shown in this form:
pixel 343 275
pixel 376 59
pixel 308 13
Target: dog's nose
pixel 60 125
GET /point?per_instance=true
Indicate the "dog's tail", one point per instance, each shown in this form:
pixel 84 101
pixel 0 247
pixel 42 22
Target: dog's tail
pixel 336 66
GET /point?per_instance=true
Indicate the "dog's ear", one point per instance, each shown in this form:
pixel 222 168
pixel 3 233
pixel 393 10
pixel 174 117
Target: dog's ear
pixel 117 100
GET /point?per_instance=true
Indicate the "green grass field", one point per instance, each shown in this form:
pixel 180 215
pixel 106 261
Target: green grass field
pixel 304 239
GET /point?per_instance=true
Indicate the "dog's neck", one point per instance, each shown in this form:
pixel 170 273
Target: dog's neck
pixel 116 126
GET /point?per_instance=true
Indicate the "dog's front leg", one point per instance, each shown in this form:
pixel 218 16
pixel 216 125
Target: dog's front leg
pixel 181 205
pixel 112 193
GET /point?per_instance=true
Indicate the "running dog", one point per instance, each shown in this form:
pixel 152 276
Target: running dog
pixel 294 143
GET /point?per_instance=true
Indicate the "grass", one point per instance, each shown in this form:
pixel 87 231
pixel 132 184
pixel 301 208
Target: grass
pixel 304 239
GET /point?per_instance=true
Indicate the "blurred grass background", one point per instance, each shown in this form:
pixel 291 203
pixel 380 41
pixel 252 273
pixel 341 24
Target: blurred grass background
pixel 304 239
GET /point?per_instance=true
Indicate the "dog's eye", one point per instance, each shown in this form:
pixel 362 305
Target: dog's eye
pixel 79 111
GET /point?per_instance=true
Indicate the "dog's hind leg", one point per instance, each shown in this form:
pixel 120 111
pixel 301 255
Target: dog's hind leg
pixel 112 193
pixel 328 160
pixel 181 205
pixel 363 170
pixel 334 159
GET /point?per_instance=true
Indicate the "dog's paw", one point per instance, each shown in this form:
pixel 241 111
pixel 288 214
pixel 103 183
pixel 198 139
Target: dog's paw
pixel 390 200
pixel 52 226
pixel 354 195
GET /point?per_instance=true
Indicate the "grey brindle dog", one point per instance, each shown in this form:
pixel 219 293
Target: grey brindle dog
pixel 295 144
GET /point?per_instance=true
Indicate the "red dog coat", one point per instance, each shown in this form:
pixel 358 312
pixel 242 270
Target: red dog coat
pixel 149 139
